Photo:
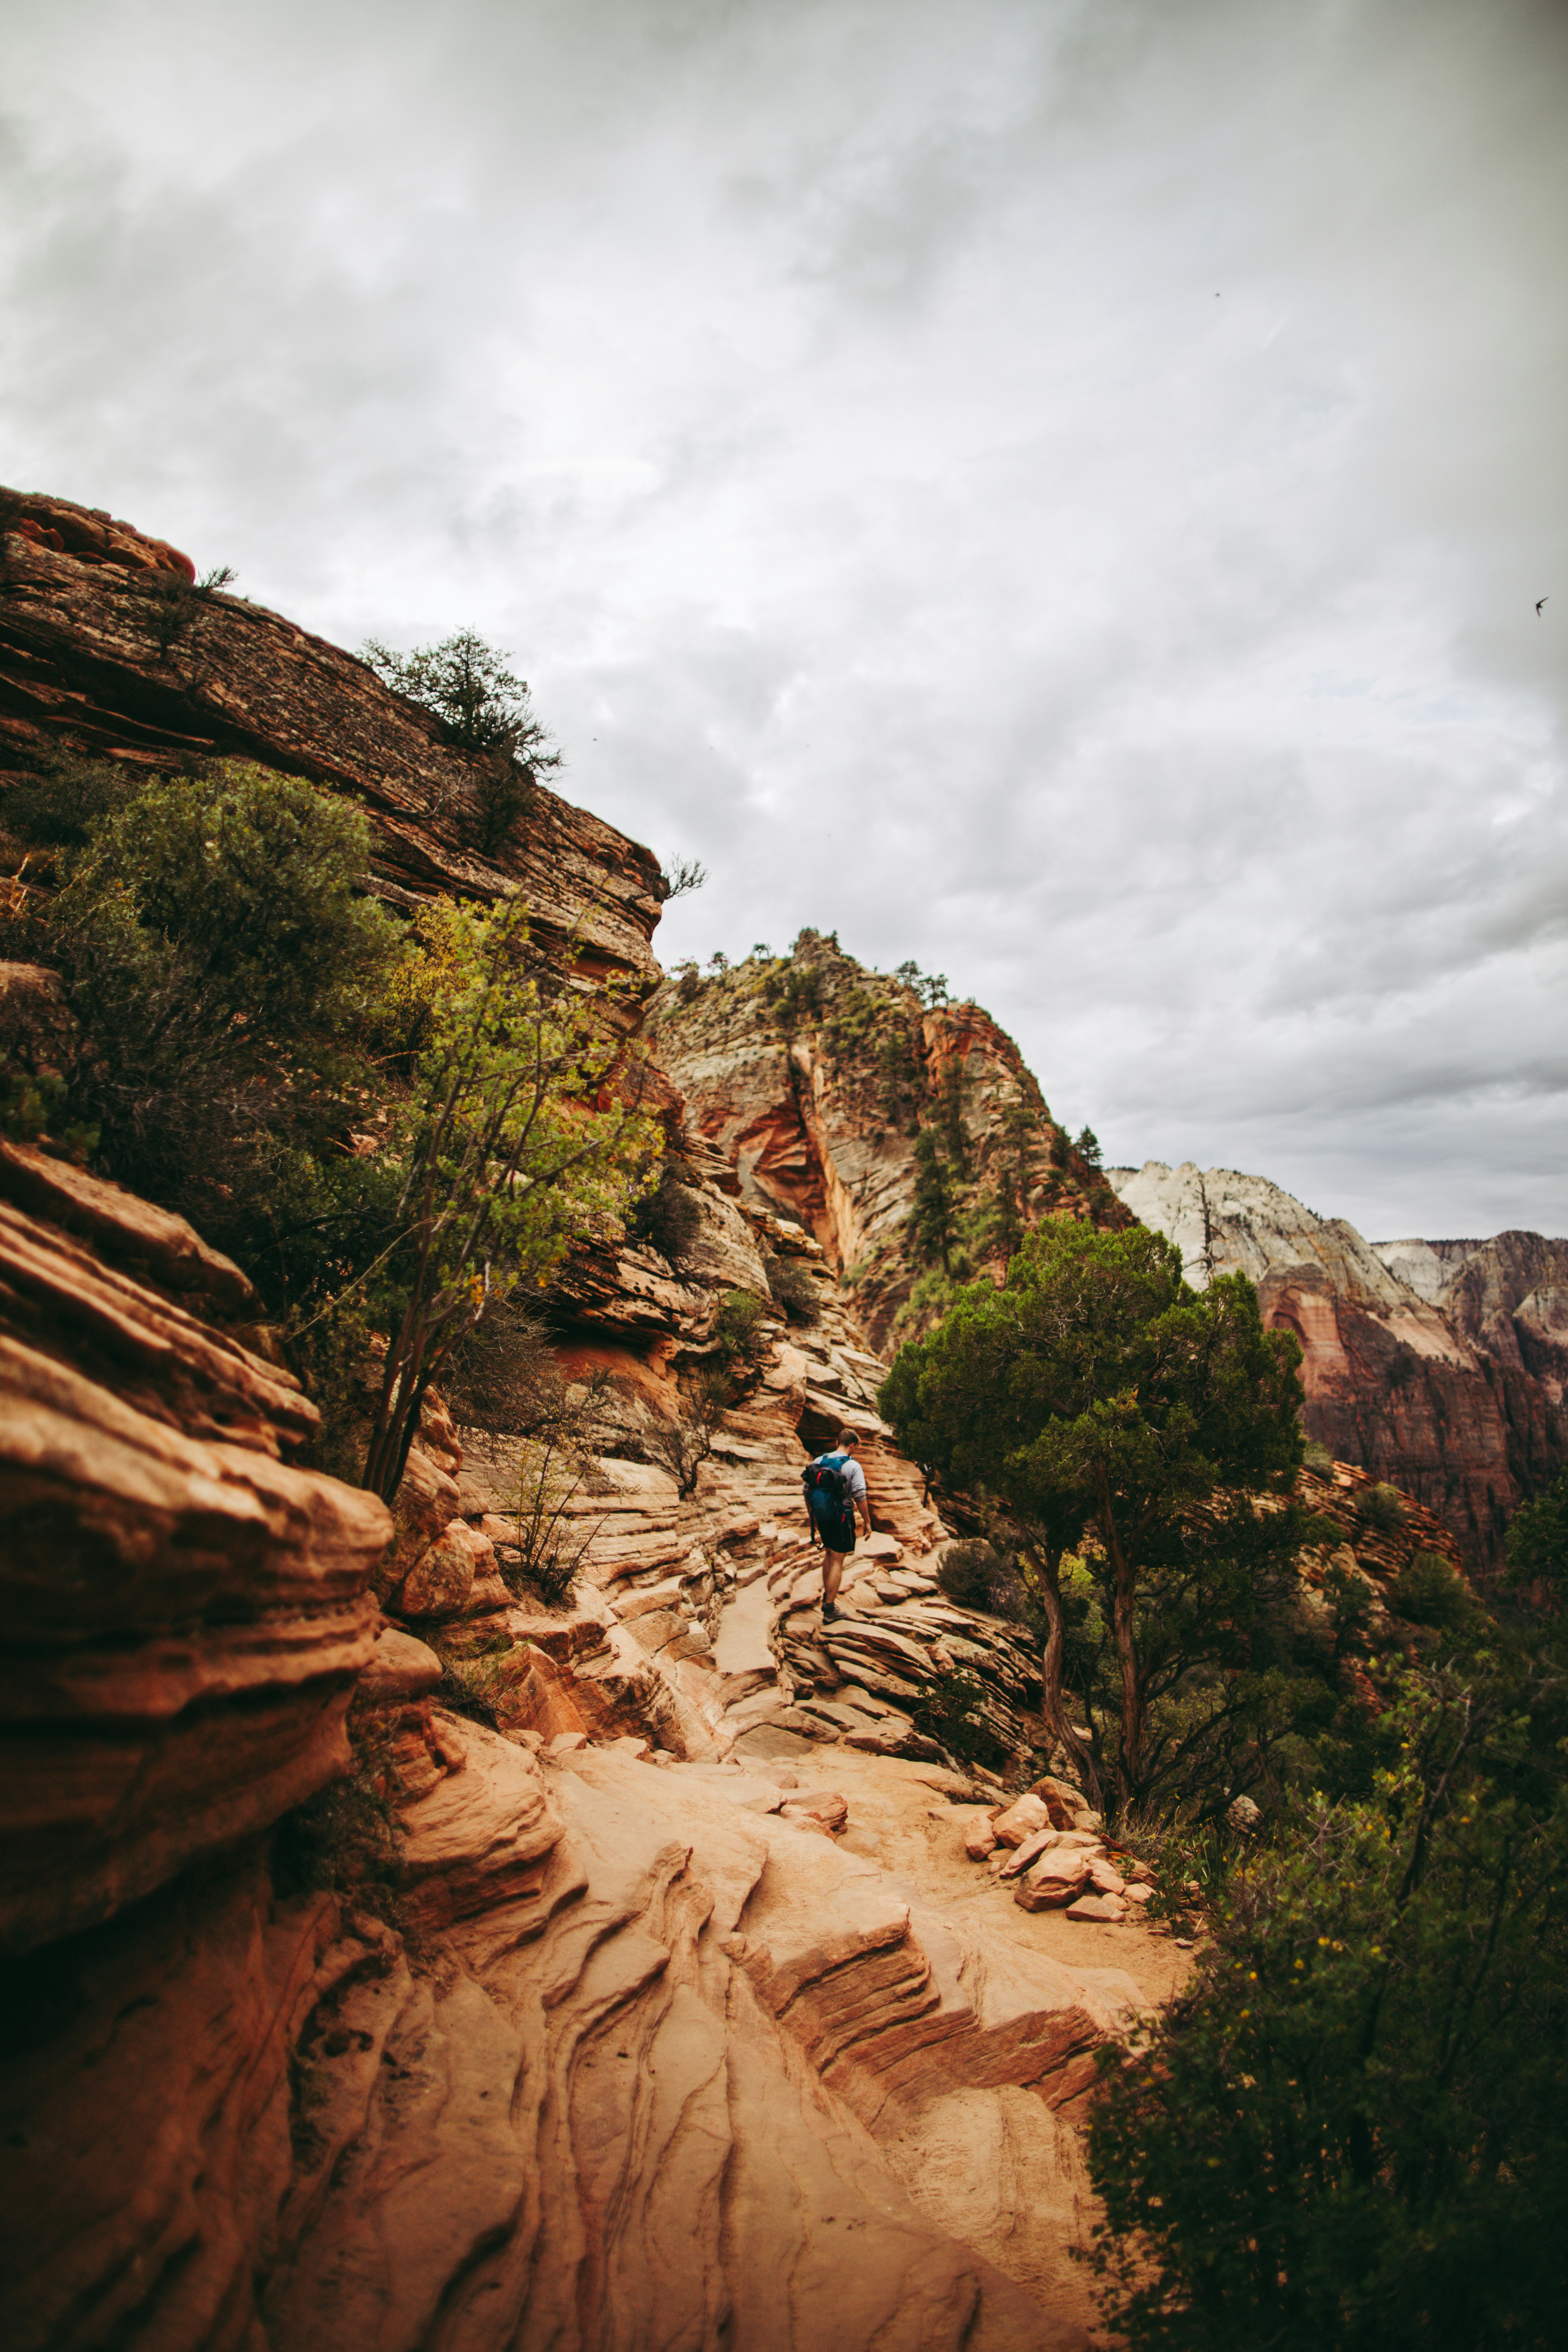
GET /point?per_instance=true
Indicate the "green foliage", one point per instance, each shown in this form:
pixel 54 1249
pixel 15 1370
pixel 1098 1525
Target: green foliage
pixel 475 1688
pixel 1381 1508
pixel 344 1839
pixel 482 704
pixel 1352 2134
pixel 500 1163
pixel 1538 1540
pixel 1316 1458
pixel 54 807
pixel 1152 1431
pixel 219 956
pixel 793 1288
pixel 930 987
pixel 688 986
pixel 739 1332
pixel 667 1215
pixel 387 1128
pixel 974 1575
pixel 1088 1147
pixel 966 1571
pixel 1350 1601
pixel 933 1213
pixel 796 993
pixel 36 1104
pixel 485 710
pixel 681 1447
pixel 950 1097
pixel 1431 1592
pixel 951 1713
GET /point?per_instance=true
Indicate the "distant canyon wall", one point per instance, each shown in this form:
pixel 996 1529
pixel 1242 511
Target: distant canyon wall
pixel 1437 1365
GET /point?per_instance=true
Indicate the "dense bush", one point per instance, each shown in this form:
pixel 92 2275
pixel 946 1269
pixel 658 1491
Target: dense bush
pixel 793 1288
pixel 1538 1540
pixel 1351 2134
pixel 739 1333
pixel 1431 1592
pixel 1124 1425
pixel 1381 1508
pixel 219 954
pixel 54 807
pixel 383 1124
pixel 667 1215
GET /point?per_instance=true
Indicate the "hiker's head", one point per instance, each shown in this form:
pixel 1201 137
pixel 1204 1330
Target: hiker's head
pixel 847 1440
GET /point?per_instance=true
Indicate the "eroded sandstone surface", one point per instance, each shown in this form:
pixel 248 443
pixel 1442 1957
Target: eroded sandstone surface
pixel 663 2046
pixel 811 1076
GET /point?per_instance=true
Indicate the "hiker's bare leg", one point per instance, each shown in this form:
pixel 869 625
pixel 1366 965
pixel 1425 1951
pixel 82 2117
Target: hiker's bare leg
pixel 833 1566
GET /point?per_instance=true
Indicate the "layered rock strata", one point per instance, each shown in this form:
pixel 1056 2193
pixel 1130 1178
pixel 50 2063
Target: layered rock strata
pixel 648 2054
pixel 186 1610
pixel 107 649
pixel 1438 1366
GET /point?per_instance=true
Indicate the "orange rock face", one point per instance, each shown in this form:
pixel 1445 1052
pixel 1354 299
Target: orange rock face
pixel 812 1102
pixel 184 1612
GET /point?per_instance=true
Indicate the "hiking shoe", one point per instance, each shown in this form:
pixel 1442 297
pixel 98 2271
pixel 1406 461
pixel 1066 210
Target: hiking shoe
pixel 829 1613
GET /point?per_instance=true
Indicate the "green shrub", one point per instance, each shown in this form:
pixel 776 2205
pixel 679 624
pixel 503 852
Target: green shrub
pixel 473 1688
pixel 967 1570
pixel 951 1713
pixel 793 1288
pixel 1351 2134
pixel 667 1215
pixel 1431 1592
pixel 1381 1508
pixel 344 1839
pixel 218 954
pixel 1538 1540
pixel 56 808
pixel 739 1332
pixel 1316 1458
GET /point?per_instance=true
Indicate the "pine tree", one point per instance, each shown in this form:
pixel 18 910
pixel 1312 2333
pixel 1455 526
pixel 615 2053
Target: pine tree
pixel 932 1217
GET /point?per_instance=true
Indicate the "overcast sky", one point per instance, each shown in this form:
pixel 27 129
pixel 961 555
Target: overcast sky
pixel 1058 488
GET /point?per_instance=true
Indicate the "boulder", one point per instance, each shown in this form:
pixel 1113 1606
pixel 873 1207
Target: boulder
pixel 1057 1878
pixel 1107 1909
pixel 441 1583
pixel 1020 1820
pixel 400 1668
pixel 825 1807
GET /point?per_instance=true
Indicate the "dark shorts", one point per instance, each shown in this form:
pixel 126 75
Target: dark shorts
pixel 838 1534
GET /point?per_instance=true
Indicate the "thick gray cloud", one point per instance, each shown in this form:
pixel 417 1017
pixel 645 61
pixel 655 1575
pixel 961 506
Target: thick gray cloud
pixel 1058 490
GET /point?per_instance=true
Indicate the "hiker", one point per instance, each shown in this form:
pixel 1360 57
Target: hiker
pixel 834 1487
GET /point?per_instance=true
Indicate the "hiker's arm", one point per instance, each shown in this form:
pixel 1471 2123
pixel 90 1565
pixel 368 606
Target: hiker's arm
pixel 863 1502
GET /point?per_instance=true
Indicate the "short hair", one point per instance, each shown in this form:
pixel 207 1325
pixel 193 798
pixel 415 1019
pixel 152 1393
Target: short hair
pixel 847 1440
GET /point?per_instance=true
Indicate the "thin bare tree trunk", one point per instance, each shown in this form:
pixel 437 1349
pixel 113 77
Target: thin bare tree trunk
pixel 1047 1566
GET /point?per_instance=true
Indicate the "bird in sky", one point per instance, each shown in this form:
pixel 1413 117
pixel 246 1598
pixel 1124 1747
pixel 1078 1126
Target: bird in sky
pixel 1538 603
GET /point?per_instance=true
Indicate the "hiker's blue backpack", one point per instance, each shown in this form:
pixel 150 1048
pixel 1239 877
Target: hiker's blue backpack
pixel 828 1493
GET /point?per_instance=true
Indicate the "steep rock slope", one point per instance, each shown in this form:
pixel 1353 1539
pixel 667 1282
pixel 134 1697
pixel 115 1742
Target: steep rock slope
pixel 1436 1366
pixel 107 649
pixel 651 2056
pixel 814 1079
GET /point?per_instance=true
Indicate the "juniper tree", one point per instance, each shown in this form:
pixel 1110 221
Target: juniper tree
pixel 1150 1431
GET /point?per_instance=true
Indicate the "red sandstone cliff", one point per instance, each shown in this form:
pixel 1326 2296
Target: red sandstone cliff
pixel 1438 1366
pixel 813 1077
